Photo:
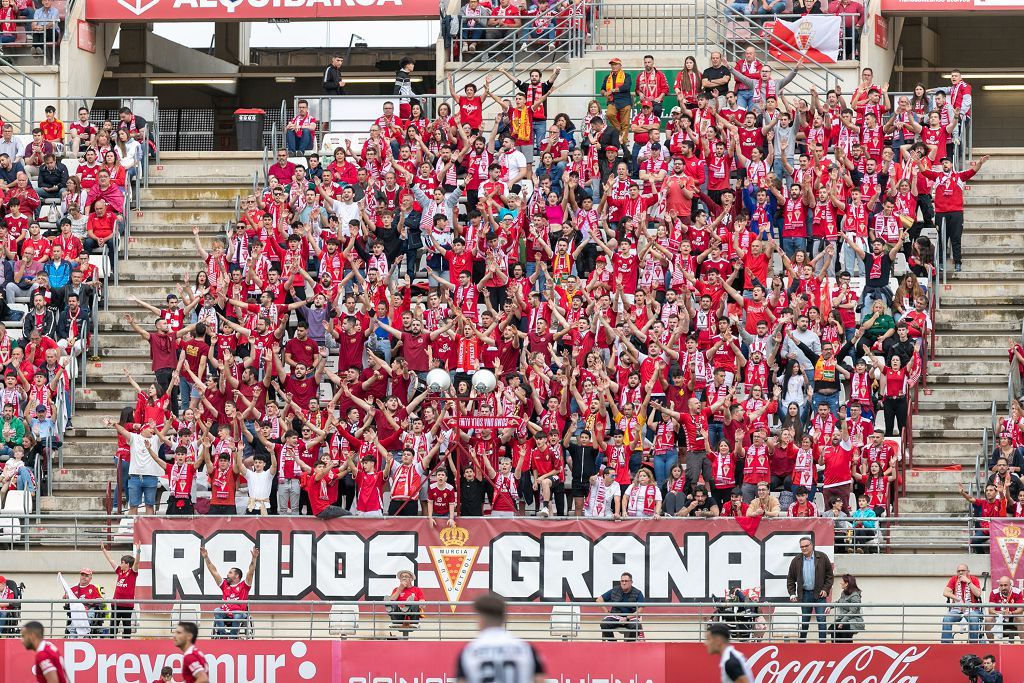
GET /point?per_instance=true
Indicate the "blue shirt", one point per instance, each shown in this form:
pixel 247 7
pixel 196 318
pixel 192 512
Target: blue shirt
pixel 43 15
pixel 59 275
pixel 809 573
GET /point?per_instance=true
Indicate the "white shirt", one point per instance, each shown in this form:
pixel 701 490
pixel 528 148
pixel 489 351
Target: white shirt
pixel 733 665
pixel 601 499
pixel 142 463
pixel 345 213
pixel 259 484
pixel 497 656
pixel 514 162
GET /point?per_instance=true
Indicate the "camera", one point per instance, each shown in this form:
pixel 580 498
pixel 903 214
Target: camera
pixel 970 665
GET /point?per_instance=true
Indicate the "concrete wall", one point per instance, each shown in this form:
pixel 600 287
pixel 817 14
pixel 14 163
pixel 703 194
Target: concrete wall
pixel 978 43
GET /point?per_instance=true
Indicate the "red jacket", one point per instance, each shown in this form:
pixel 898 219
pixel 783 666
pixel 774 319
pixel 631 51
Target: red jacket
pixel 949 188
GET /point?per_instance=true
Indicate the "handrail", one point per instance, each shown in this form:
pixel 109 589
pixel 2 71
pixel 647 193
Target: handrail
pixel 567 35
pixel 979 458
pixel 448 621
pixel 284 124
pixel 1014 381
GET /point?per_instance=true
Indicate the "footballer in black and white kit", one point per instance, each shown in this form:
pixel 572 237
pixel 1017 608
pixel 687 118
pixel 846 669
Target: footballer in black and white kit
pixel 497 656
pixel 731 663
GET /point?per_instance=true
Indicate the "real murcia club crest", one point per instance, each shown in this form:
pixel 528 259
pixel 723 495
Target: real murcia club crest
pixel 803 34
pixel 453 561
pixel 1011 546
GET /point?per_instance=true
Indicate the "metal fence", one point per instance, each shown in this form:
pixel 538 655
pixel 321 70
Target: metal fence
pixel 31 47
pixel 906 533
pixel 559 33
pixel 445 621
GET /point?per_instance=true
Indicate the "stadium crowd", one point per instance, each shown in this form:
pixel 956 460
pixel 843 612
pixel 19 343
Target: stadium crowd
pixel 63 195
pixel 718 311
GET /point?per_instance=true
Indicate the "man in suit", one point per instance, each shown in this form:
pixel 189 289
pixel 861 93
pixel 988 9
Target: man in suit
pixel 810 581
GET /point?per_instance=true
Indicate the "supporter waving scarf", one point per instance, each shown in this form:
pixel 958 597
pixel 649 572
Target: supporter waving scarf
pixel 521 129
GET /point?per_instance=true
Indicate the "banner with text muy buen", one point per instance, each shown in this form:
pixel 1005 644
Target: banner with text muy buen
pixel 417 661
pixel 672 560
pixel 256 10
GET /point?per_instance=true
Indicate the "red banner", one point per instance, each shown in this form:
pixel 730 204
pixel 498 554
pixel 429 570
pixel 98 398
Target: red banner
pixel 957 6
pixel 1006 550
pixel 672 560
pixel 140 661
pixel 256 10
pixel 286 661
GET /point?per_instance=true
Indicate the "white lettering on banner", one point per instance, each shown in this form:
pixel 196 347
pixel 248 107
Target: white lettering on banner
pixel 85 664
pixel 232 5
pixel 765 662
pixel 549 677
pixel 518 565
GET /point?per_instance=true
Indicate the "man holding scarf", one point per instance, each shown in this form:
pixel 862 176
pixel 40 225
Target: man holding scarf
pixel 618 88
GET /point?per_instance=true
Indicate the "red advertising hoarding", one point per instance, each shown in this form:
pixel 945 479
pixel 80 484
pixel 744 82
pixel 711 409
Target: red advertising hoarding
pixel 257 10
pixel 524 560
pixel 420 661
pixel 955 6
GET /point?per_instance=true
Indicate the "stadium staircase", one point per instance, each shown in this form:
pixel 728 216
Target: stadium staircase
pixel 186 189
pixel 979 313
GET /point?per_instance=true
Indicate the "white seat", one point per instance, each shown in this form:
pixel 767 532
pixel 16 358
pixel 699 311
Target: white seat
pixel 185 611
pixel 102 264
pixel 10 530
pixel 819 502
pixel 125 530
pixel 344 620
pixel 72 166
pixel 785 623
pixel 565 621
pixel 17 503
pixel 299 161
pixel 329 143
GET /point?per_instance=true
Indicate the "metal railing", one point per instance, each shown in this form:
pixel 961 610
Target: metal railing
pixel 734 33
pixel 557 35
pixel 88 530
pixel 27 42
pixel 16 89
pixel 450 621
pixel 1014 383
pixel 634 26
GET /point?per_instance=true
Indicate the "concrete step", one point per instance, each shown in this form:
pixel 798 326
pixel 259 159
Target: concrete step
pixel 975 381
pixel 947 352
pixel 953 449
pixel 941 420
pixel 239 183
pixel 220 192
pixel 957 339
pixel 945 505
pixel 182 215
pixel 969 285
pixel 980 328
pixel 981 311
pixel 77 503
pixel 991 366
pixel 950 393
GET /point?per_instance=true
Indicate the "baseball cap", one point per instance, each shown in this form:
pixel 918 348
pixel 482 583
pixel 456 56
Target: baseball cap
pixel 615 60
pixel 40 409
pixel 600 259
pixel 645 103
pixel 676 110
pixel 86 571
pixel 611 148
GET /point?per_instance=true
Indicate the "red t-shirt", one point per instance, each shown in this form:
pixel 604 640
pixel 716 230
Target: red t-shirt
pixel 837 464
pixel 961 592
pixel 192 664
pixel 47 660
pixel 124 591
pixel 442 499
pixel 235 596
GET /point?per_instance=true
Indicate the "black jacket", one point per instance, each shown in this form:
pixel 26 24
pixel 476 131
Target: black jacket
pixel 57 178
pixel 64 323
pixel 48 328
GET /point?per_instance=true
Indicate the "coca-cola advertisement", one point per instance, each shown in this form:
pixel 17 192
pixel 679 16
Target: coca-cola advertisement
pixel 424 661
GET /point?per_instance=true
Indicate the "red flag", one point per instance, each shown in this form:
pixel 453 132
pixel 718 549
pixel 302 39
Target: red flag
pixel 749 524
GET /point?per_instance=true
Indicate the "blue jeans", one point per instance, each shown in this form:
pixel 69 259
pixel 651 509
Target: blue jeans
pixel 299 142
pixel 955 616
pixel 744 98
pixel 540 131
pixel 791 245
pixel 227 623
pixel 663 463
pixel 141 490
pixel 122 468
pixel 832 401
pixel 186 392
pixel 25 482
pixel 809 596
pixel 738 7
pixel 716 432
pixel 775 8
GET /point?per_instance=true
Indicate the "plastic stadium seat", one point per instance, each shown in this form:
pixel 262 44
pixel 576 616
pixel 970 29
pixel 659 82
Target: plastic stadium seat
pixel 185 611
pixel 72 166
pixel 17 503
pixel 565 621
pixel 344 620
pixel 10 530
